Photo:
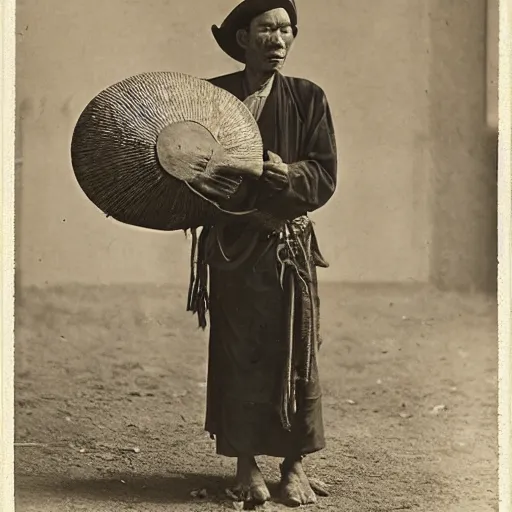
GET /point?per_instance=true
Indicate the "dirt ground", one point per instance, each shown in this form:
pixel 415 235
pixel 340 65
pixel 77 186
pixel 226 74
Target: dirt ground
pixel 110 391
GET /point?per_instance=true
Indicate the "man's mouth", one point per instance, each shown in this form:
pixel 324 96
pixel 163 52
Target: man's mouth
pixel 275 57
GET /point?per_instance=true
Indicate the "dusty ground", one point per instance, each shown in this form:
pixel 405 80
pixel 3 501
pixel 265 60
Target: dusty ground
pixel 111 383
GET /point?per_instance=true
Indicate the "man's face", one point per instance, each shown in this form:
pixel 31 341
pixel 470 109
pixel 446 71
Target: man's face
pixel 267 41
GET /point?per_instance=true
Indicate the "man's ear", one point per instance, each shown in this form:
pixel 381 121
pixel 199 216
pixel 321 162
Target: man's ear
pixel 242 38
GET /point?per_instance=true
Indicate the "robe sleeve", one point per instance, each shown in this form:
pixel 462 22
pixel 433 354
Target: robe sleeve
pixel 310 182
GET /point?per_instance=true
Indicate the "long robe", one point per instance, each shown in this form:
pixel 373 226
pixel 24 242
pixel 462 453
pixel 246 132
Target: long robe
pixel 249 308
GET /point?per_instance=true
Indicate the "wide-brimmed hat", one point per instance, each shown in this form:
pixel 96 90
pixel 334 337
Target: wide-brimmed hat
pixel 139 145
pixel 241 16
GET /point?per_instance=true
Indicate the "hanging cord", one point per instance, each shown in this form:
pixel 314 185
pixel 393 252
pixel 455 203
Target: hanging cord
pixel 297 282
pixel 288 397
pixel 193 263
pixel 310 344
pixel 198 300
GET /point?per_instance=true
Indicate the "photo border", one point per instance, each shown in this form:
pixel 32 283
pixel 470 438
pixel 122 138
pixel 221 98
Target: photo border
pixel 7 111
pixel 7 233
pixel 505 254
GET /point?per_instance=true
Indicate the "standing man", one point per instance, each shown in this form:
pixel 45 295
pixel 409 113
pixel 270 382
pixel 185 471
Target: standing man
pixel 263 395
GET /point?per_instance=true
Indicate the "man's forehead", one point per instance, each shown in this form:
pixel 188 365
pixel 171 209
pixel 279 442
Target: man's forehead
pixel 275 17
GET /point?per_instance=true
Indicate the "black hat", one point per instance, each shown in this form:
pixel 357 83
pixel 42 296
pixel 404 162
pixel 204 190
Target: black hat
pixel 241 16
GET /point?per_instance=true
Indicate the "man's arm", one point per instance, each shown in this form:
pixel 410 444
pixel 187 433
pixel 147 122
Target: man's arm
pixel 293 189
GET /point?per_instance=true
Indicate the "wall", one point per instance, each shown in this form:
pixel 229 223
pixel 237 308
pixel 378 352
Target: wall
pixel 463 176
pixel 492 58
pixel 372 59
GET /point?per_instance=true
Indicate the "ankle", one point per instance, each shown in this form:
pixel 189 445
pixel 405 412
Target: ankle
pixel 246 459
pixel 246 462
pixel 291 462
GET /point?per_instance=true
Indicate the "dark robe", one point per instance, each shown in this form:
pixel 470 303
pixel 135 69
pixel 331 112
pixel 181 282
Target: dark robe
pixel 248 302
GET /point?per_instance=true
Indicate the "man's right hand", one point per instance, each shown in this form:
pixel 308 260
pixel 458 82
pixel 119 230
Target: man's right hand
pixel 228 166
pixel 221 179
pixel 216 185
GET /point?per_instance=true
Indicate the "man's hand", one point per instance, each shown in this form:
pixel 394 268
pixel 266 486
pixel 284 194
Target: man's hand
pixel 216 186
pixel 221 179
pixel 235 168
pixel 275 171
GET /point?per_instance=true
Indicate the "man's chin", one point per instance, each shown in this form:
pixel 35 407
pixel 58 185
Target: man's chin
pixel 275 65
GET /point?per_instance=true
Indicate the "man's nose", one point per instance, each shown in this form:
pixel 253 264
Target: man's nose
pixel 277 39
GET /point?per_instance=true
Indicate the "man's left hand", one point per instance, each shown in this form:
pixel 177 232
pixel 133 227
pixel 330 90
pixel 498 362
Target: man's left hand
pixel 275 171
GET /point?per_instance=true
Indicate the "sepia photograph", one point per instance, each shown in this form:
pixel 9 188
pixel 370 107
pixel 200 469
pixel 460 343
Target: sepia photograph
pixel 256 255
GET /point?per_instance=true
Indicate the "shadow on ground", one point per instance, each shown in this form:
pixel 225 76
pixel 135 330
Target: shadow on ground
pixel 173 489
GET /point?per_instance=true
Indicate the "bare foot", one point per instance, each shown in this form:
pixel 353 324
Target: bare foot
pixel 296 488
pixel 250 486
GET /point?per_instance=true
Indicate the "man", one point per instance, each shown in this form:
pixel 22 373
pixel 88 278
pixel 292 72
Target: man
pixel 263 395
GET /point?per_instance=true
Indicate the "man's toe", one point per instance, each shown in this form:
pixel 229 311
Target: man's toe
pixel 291 495
pixel 259 494
pixel 319 487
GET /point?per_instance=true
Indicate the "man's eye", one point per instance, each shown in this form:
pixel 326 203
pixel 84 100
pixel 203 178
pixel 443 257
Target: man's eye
pixel 286 31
